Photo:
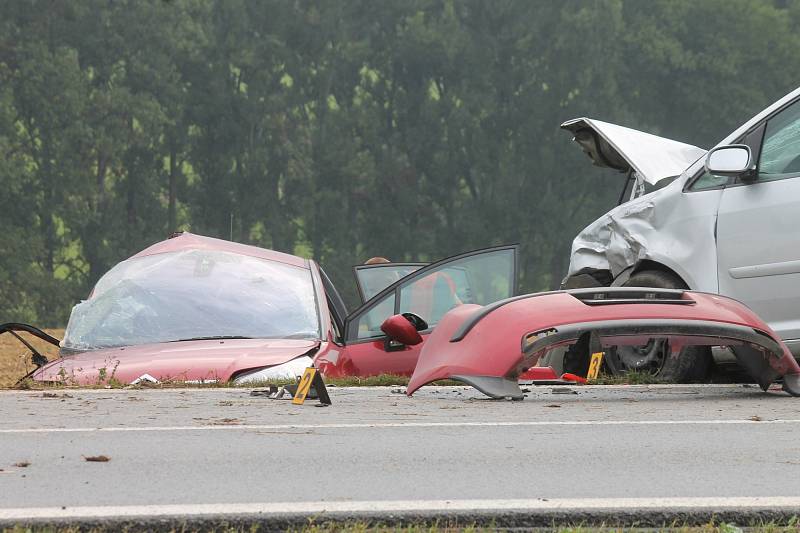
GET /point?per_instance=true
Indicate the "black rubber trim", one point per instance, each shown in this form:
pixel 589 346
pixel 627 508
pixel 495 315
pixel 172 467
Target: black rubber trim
pixel 338 309
pixel 480 314
pixel 648 294
pixel 617 301
pixel 36 332
pixel 655 327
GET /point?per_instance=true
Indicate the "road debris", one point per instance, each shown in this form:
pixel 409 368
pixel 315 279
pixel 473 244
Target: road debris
pixel 225 422
pixel 52 395
pixel 315 389
pixel 22 464
pixel 96 458
pixel 145 379
pixel 273 392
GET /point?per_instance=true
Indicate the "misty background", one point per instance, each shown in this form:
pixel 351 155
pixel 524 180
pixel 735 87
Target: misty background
pixel 341 130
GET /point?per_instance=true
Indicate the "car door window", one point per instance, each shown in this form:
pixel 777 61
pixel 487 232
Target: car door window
pixel 708 181
pixel 369 324
pixel 480 277
pixel 372 279
pixel 780 150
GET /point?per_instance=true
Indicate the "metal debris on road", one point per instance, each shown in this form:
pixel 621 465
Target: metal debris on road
pixel 563 390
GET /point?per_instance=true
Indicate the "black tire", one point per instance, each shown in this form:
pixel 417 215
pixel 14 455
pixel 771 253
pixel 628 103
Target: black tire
pixel 576 358
pixel 692 363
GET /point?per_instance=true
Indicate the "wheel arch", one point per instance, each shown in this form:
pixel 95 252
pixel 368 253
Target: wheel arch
pixel 650 264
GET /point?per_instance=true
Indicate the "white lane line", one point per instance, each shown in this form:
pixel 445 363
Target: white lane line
pixel 366 425
pixel 356 507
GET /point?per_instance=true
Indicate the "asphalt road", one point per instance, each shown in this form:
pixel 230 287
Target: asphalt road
pixel 374 452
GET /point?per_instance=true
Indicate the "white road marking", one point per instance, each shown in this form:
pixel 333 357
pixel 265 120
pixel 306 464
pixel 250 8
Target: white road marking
pixel 366 425
pixel 356 507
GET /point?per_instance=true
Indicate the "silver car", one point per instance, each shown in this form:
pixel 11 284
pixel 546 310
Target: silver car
pixel 723 221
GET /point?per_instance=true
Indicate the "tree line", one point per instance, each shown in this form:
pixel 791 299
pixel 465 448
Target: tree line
pixel 340 130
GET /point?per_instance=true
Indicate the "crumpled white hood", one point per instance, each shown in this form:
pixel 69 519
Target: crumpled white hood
pixel 654 158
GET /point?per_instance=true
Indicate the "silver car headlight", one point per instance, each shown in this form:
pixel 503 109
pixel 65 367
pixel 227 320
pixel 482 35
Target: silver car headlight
pixel 288 370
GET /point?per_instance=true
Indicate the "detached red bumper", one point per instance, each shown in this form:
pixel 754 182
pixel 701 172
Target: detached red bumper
pixel 490 347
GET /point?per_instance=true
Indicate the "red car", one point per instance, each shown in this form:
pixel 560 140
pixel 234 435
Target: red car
pixel 198 309
pixel 489 347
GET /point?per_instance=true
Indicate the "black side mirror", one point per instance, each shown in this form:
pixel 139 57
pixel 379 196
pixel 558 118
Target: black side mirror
pixel 734 160
pixel 417 321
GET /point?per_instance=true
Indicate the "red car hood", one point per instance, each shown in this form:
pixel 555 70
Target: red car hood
pixel 205 360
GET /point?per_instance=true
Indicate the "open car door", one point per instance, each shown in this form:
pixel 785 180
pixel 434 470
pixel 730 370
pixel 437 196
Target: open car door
pixel 478 277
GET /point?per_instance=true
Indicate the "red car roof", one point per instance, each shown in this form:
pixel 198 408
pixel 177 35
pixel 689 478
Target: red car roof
pixel 190 241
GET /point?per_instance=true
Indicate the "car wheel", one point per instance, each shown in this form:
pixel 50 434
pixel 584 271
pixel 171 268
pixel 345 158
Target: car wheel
pixel 576 358
pixel 692 363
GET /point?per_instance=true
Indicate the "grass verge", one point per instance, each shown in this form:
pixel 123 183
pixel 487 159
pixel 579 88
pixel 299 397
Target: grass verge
pixel 629 378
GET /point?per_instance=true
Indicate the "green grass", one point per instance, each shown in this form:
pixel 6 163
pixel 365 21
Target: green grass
pixel 629 378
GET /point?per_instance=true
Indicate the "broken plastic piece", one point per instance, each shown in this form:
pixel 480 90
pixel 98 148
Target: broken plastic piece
pixel 573 377
pixel 538 373
pixel 494 387
pixel 144 378
pixel 791 384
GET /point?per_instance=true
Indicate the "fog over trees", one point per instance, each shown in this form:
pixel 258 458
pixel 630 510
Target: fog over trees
pixel 340 130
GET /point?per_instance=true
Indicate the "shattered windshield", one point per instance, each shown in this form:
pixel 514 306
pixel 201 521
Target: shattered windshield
pixel 194 294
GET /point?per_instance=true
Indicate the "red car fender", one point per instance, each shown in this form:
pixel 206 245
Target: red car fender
pixel 367 358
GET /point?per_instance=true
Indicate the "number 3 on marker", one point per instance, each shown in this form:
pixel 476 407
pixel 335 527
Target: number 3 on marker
pixel 304 386
pixel 594 365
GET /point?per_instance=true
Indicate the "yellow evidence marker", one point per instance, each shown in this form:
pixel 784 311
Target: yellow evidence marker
pixel 304 386
pixel 311 377
pixel 594 366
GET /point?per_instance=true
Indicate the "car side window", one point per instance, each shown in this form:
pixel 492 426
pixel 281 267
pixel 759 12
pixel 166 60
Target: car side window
pixel 481 279
pixel 372 279
pixel 369 324
pixel 708 181
pixel 780 150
